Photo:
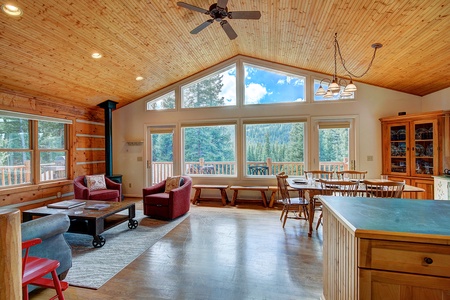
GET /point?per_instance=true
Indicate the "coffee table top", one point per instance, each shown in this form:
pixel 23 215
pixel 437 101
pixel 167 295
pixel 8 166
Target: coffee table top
pixel 82 211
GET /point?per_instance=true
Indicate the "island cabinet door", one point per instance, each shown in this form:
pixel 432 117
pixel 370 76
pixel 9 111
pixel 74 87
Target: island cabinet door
pixel 383 285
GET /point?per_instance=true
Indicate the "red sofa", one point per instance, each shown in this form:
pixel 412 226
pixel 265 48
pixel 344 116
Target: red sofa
pixel 112 193
pixel 168 206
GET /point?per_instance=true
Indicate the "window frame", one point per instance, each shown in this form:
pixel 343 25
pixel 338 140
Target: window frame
pixel 277 71
pixel 209 124
pixel 34 150
pixel 258 121
pixel 226 67
pixel 161 98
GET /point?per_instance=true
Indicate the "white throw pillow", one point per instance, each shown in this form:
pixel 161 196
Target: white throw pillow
pixel 172 183
pixel 95 182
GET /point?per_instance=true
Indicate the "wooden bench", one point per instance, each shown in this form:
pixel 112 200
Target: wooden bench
pixel 261 189
pixel 273 192
pixel 198 190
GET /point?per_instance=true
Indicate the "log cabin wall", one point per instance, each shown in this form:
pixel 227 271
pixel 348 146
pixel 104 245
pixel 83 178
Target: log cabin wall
pixel 86 149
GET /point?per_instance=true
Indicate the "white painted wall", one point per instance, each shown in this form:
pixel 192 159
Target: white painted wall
pixel 130 122
pixel 437 101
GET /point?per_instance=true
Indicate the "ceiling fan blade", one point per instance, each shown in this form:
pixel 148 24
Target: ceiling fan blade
pixel 192 7
pixel 202 26
pixel 222 3
pixel 254 15
pixel 228 30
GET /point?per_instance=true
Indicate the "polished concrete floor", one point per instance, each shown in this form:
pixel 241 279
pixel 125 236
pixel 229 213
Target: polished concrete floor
pixel 221 253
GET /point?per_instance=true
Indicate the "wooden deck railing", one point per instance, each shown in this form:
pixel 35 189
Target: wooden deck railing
pixel 161 170
pixel 15 175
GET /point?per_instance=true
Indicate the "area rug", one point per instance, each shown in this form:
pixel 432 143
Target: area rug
pixel 93 267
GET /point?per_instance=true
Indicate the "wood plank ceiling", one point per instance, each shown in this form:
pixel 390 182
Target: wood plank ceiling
pixel 46 52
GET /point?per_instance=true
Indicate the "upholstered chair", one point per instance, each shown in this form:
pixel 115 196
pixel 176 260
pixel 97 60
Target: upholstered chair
pixel 50 229
pixel 113 191
pixel 169 205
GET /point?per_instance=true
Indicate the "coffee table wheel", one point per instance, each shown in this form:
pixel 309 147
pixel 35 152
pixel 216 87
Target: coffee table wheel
pixel 98 241
pixel 132 224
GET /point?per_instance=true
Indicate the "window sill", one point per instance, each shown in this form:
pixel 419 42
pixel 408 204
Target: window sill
pixel 34 187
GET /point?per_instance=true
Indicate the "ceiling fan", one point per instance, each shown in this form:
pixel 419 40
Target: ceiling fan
pixel 218 12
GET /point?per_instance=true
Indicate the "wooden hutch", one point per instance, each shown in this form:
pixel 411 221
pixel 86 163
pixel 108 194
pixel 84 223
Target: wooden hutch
pixel 415 148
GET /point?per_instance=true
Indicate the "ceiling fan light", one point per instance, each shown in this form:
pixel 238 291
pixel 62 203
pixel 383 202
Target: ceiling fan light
pixel 350 87
pixel 320 91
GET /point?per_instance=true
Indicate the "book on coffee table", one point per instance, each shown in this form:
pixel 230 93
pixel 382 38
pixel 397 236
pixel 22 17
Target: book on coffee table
pixel 66 204
pixel 97 206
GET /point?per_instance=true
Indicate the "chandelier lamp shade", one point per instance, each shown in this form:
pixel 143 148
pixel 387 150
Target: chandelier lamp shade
pixel 339 85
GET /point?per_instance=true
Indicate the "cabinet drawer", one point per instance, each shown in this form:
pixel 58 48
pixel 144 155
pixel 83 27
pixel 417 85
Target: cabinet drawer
pixel 415 258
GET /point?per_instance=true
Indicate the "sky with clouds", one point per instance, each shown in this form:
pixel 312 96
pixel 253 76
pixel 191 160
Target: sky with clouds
pixel 263 86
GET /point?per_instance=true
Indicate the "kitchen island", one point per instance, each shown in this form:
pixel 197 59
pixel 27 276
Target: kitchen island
pixel 385 248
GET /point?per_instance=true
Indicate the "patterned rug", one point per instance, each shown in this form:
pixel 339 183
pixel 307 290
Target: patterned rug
pixel 93 267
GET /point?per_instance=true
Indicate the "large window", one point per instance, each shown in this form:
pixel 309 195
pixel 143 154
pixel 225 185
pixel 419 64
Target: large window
pixel 267 86
pixel 274 147
pixel 52 150
pixel 15 151
pixel 217 89
pixel 164 102
pixel 209 150
pixel 31 151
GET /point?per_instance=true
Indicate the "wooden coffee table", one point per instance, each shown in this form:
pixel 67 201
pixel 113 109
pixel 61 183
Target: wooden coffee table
pixel 89 221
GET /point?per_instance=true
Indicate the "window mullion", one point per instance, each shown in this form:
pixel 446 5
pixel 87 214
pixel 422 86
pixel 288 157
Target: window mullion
pixel 35 162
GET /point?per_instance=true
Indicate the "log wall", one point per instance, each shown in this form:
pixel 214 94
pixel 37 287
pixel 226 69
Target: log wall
pixel 10 255
pixel 86 145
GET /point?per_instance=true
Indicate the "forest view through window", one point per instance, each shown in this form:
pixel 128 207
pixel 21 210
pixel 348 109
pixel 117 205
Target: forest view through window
pixel 163 102
pixel 210 150
pixel 334 149
pixel 274 148
pixel 17 153
pixel 217 89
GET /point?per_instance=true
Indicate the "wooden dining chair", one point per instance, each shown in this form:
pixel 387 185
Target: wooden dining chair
pixel 351 174
pixel 297 205
pixel 35 268
pixel 384 189
pixel 318 174
pixel 339 188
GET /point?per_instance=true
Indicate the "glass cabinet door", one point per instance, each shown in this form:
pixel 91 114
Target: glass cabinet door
pixel 399 156
pixel 424 145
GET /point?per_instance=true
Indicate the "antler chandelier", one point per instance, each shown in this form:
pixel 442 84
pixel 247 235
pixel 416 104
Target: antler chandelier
pixel 338 85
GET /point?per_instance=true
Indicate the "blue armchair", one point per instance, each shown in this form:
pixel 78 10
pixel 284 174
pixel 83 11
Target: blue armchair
pixel 50 230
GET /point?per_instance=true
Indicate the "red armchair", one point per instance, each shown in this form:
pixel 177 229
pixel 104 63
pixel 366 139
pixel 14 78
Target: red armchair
pixel 112 193
pixel 160 205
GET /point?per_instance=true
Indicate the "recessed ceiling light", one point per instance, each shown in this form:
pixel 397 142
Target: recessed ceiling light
pixel 96 55
pixel 139 78
pixel 12 10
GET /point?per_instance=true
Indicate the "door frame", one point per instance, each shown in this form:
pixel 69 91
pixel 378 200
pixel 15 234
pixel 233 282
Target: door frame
pixel 352 121
pixel 155 129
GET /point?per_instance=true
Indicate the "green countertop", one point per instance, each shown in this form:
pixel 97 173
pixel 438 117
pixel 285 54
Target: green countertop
pixel 427 218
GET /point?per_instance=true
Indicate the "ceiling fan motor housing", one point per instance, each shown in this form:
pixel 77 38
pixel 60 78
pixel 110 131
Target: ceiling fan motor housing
pixel 218 13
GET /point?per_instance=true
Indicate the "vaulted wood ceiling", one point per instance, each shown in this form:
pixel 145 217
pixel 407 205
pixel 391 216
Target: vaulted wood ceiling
pixel 46 52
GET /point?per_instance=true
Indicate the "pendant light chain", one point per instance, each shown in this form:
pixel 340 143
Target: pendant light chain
pixel 336 45
pixel 339 86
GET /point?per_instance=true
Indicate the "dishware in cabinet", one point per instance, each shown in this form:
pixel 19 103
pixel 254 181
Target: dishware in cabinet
pixel 396 148
pixel 426 139
pixel 424 143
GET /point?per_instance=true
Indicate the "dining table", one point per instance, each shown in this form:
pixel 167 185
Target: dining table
pixel 313 188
